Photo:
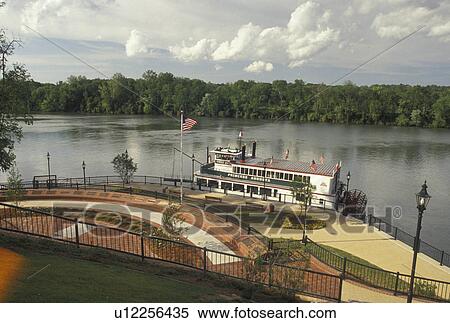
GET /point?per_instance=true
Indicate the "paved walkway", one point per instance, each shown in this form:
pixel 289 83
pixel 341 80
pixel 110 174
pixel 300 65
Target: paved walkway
pixel 354 293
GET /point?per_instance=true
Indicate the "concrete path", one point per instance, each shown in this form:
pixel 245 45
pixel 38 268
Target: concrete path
pixel 69 231
pixel 354 293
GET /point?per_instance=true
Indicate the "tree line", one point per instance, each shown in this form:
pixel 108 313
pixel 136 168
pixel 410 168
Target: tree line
pixel 163 93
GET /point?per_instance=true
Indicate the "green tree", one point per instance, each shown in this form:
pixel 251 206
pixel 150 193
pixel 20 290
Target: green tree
pixel 302 191
pixel 13 106
pixel 124 166
pixel 14 186
pixel 441 111
pixel 416 118
pixel 172 222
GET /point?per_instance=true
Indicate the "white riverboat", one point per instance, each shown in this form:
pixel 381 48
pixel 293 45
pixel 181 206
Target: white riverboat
pixel 232 171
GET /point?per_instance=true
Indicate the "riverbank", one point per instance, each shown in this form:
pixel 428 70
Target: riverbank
pixel 389 164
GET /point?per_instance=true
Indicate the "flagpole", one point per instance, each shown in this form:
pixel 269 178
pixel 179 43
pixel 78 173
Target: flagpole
pixel 181 158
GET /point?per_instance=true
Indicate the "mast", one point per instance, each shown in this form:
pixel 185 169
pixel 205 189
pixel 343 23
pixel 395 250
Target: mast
pixel 181 158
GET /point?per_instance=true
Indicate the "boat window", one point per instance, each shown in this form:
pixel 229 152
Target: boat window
pixel 259 173
pixel 286 176
pixel 290 177
pixel 246 171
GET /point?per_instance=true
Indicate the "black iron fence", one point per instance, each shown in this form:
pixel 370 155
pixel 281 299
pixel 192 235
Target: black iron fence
pixel 257 271
pixel 398 234
pixel 150 179
pixel 379 278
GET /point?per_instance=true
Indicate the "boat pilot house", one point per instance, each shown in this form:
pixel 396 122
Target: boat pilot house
pixel 234 172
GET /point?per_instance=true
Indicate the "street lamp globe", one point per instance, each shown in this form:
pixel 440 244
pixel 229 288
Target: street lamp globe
pixel 423 198
pixel 348 175
pixel 83 165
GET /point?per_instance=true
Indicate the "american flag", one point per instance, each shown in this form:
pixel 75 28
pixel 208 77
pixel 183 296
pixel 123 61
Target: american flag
pixel 188 123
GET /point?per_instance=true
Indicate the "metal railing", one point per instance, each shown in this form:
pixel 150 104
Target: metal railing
pixel 398 234
pixel 256 271
pixel 379 278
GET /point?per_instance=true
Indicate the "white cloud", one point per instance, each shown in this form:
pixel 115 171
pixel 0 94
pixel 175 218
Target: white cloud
pixel 366 6
pixel 203 49
pixel 48 12
pixel 440 29
pixel 307 33
pixel 239 45
pixel 258 67
pixel 292 33
pixel 136 43
pixel 401 22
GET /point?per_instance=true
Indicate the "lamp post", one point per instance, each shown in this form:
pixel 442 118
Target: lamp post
pixel 264 179
pixel 305 214
pixel 348 179
pixel 126 168
pixel 48 169
pixel 83 165
pixel 422 200
pixel 193 171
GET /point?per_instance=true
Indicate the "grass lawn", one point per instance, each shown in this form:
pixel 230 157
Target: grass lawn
pixel 54 272
pixel 61 279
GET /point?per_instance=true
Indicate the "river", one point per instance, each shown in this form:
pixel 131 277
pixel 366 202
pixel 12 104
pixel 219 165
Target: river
pixel 388 163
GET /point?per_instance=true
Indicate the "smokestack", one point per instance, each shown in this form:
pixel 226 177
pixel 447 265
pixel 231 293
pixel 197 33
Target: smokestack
pixel 243 154
pixel 254 150
pixel 207 154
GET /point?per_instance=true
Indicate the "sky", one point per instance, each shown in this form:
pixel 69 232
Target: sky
pixel 222 41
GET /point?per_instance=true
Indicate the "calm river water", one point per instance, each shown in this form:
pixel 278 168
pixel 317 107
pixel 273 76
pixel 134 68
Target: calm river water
pixel 388 163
